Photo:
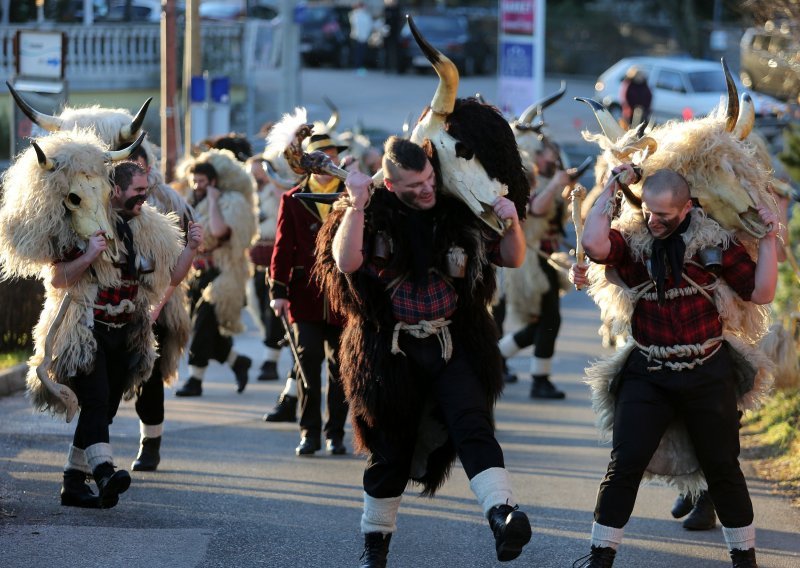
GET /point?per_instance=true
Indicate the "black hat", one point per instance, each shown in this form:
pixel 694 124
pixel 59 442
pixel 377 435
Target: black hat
pixel 323 142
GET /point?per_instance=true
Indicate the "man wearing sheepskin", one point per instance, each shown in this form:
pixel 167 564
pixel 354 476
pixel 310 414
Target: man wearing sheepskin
pixel 533 290
pixel 681 365
pixel 297 295
pixel 217 288
pixel 411 268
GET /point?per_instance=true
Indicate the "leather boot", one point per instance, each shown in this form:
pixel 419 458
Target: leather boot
pixel 376 549
pixel 599 557
pixel 512 531
pixel 702 517
pixel 241 365
pixel 149 456
pixel 192 387
pixel 543 388
pixel 110 484
pixel 683 504
pixel 269 371
pixel 284 411
pixel 75 492
pixel 744 558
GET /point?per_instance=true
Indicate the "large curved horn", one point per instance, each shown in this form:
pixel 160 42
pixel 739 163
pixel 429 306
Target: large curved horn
pixel 732 111
pixel 119 155
pixel 127 133
pixel 45 162
pixel 333 121
pixel 276 177
pixel 49 123
pixel 444 99
pixel 746 119
pixel 611 127
pixel 536 108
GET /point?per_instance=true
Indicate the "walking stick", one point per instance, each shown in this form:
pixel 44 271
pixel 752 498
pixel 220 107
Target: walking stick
pixel 293 347
pixel 578 194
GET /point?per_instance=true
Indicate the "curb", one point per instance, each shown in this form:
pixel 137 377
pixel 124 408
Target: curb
pixel 13 379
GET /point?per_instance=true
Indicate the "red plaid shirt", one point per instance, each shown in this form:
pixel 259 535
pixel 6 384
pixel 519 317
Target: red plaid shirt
pixel 684 320
pixel 435 300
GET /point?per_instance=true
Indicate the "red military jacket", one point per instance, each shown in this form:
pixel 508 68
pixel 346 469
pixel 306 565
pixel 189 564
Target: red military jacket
pixel 291 269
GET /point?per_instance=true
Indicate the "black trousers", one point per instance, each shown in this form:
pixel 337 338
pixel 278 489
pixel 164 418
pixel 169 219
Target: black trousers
pixel 543 333
pixel 647 402
pixel 318 343
pixel 100 391
pixel 273 327
pixel 458 392
pixel 150 394
pixel 207 342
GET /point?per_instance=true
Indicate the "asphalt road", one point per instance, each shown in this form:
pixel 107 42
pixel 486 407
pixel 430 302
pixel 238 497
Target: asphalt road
pixel 230 491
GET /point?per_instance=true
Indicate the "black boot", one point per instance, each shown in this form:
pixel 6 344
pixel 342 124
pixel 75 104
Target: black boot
pixel 703 516
pixel 110 484
pixel 284 411
pixel 75 492
pixel 149 457
pixel 599 557
pixel 508 376
pixel 683 504
pixel 543 388
pixel 192 387
pixel 376 549
pixel 269 371
pixel 241 365
pixel 744 558
pixel 512 531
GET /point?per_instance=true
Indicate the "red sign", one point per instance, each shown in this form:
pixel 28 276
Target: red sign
pixel 517 16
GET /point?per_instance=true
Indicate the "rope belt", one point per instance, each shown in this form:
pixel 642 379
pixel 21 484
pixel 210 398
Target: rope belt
pixel 124 307
pixel 701 352
pixel 438 327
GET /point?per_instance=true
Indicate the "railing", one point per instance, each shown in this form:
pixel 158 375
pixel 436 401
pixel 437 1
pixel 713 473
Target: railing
pixel 128 56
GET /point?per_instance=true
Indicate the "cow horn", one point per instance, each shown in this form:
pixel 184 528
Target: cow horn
pixel 536 108
pixel 407 126
pixel 119 155
pixel 45 162
pixel 276 177
pixel 645 143
pixel 732 110
pixel 444 99
pixel 49 123
pixel 128 132
pixel 611 127
pixel 746 118
pixel 333 121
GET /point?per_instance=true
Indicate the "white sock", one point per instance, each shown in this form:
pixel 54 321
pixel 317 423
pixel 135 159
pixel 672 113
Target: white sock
pixel 197 372
pixel 541 366
pixel 99 453
pixel 380 515
pixel 272 355
pixel 150 430
pixel 291 388
pixel 508 346
pixel 76 459
pixel 231 357
pixel 492 487
pixel 742 538
pixel 606 537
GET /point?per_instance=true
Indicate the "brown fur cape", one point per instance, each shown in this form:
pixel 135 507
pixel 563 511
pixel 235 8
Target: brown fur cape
pixel 375 381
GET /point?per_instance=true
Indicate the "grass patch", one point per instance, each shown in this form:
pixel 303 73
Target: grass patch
pixel 13 358
pixel 771 437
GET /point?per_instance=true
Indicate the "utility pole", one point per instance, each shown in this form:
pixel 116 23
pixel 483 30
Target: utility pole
pixel 169 80
pixel 192 66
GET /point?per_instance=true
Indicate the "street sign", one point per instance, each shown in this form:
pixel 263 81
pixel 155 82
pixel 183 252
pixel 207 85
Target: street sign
pixel 521 70
pixel 40 54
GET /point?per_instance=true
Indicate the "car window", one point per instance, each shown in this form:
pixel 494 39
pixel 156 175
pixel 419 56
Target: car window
pixel 670 81
pixel 707 82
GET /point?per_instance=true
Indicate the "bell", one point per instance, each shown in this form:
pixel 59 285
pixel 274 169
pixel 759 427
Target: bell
pixel 456 262
pixel 711 259
pixel 382 248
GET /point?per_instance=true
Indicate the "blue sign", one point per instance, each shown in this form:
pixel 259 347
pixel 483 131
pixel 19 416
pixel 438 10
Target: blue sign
pixel 516 60
pixel 299 14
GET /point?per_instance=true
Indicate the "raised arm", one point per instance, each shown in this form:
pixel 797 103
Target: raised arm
pixel 348 243
pixel 598 221
pixel 766 277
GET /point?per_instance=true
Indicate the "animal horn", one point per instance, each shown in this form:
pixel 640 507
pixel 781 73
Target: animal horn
pixel 276 177
pixel 444 99
pixel 333 121
pixel 45 162
pixel 49 123
pixel 128 132
pixel 746 118
pixel 119 155
pixel 732 111
pixel 611 127
pixel 536 108
pixel 407 126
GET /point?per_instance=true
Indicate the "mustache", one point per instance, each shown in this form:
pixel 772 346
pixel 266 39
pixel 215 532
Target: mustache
pixel 134 201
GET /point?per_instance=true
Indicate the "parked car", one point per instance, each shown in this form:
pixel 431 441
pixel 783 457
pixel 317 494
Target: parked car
pixel 467 42
pixel 682 87
pixel 770 61
pixel 141 11
pixel 227 10
pixel 325 35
